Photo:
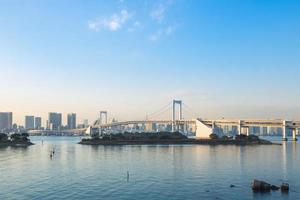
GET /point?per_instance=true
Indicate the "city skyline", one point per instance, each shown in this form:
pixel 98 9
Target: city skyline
pixel 65 121
pixel 236 59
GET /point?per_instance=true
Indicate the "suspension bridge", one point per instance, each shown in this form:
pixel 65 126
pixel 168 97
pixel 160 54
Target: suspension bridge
pixel 195 126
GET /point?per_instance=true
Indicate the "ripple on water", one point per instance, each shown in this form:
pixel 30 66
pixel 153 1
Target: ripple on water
pixel 156 171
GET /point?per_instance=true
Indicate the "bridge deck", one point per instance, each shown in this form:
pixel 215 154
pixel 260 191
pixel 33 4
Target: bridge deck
pixel 229 122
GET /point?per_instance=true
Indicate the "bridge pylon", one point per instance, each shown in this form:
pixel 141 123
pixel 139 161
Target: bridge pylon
pixel 102 113
pixel 176 102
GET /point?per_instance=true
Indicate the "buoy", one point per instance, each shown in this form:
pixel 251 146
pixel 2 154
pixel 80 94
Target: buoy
pixel 127 175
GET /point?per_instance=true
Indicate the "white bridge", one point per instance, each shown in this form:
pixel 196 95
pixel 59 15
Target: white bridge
pixel 197 127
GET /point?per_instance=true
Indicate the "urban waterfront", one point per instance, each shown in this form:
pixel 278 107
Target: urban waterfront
pixel 155 171
pixel 161 99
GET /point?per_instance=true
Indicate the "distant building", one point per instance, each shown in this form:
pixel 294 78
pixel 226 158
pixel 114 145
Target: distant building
pixel 80 126
pixel 38 123
pixel 15 126
pixel 6 120
pixel 86 123
pixel 71 121
pixel 168 127
pixel 29 122
pixel 54 121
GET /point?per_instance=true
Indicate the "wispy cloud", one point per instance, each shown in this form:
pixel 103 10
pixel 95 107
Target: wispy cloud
pixel 162 32
pixel 131 22
pixel 112 23
pixel 136 25
pixel 158 13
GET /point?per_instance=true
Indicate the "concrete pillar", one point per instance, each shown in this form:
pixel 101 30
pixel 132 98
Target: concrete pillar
pixel 294 134
pixel 184 126
pixel 173 117
pixel 240 127
pixel 99 123
pixel 284 128
pixel 180 114
pixel 213 127
pixel 268 130
pixel 247 131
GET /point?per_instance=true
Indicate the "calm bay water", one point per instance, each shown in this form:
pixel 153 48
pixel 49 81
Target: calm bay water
pixel 155 171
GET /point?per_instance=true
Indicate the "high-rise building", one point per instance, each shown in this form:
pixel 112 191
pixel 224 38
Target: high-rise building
pixel 6 120
pixel 29 122
pixel 54 121
pixel 71 121
pixel 38 123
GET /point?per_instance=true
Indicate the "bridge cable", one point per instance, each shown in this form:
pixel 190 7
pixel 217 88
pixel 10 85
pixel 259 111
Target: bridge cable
pixel 159 111
pixel 190 110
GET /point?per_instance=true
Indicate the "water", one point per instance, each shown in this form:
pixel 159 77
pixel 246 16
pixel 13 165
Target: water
pixel 155 171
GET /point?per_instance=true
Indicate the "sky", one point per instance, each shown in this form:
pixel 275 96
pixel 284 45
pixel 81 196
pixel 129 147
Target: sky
pixel 222 58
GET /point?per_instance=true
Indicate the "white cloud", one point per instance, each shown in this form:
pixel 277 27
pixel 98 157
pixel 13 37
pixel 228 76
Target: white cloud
pixel 112 23
pixel 125 20
pixel 136 25
pixel 169 30
pixel 158 13
pixel 162 32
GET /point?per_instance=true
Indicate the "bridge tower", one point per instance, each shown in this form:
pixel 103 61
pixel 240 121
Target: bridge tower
pixel 176 102
pixel 103 113
pixel 100 120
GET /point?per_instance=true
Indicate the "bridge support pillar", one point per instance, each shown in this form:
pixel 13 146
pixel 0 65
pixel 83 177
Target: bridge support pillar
pixel 185 128
pixel 284 129
pixel 247 130
pixel 240 127
pixel 294 134
pixel 213 127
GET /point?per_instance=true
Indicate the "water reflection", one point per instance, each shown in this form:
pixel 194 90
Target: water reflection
pixel 156 171
pixel 284 160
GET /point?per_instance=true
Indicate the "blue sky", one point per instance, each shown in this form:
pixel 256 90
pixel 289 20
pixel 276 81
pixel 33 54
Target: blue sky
pixel 223 58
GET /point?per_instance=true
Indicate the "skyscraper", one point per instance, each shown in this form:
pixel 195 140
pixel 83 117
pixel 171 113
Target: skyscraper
pixel 29 122
pixel 71 121
pixel 6 120
pixel 38 123
pixel 54 121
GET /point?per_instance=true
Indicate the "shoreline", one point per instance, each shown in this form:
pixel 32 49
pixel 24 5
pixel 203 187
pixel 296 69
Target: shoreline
pixel 15 144
pixel 145 138
pixel 170 141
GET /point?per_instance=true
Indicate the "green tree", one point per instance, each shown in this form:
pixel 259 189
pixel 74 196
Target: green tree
pixel 15 137
pixel 24 136
pixel 3 137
